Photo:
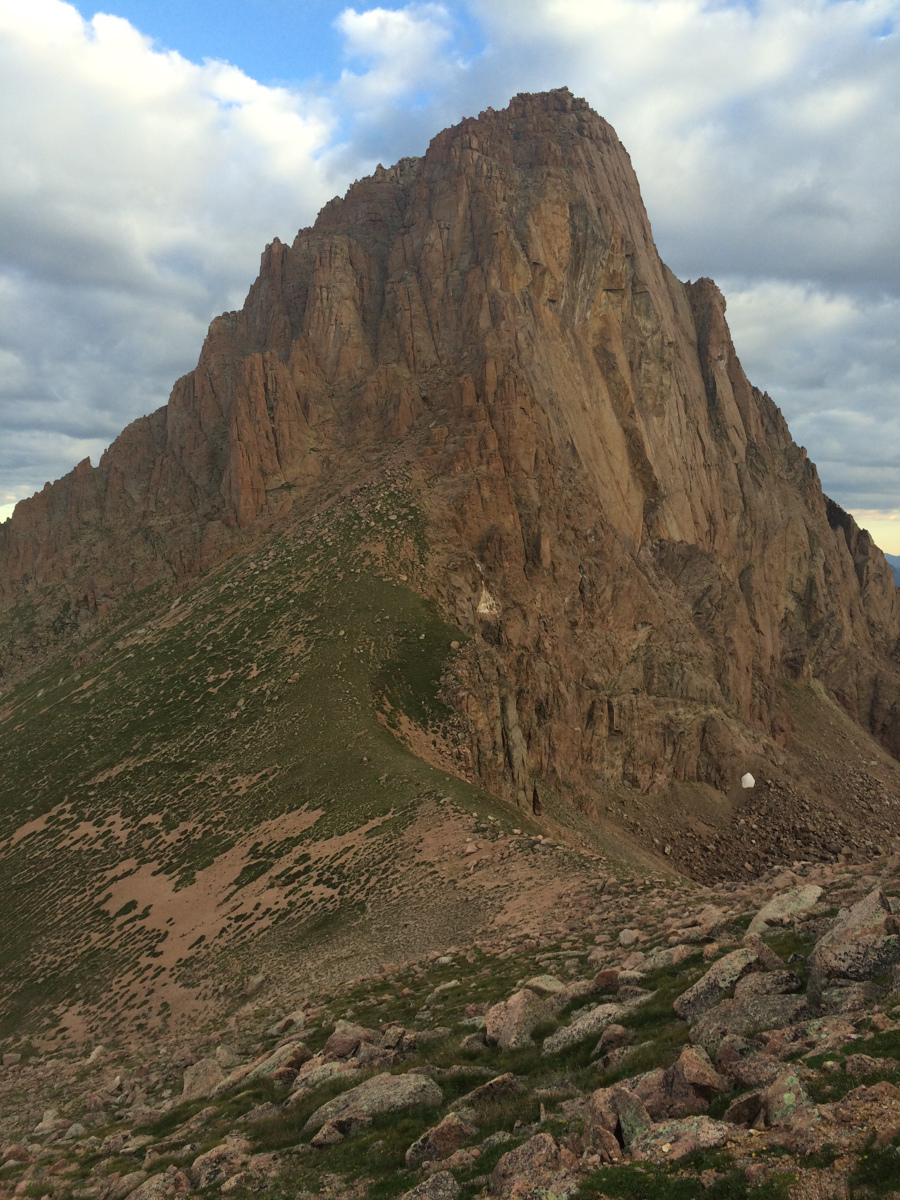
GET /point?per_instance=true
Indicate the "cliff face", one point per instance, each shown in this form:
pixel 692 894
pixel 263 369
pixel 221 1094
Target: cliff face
pixel 642 554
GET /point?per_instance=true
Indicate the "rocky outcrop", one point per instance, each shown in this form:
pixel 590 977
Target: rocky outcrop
pixel 622 523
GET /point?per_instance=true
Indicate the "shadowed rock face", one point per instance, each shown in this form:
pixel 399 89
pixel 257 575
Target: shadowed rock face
pixel 642 554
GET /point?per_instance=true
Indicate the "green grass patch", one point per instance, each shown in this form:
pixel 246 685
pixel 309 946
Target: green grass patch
pixel 642 1181
pixel 877 1171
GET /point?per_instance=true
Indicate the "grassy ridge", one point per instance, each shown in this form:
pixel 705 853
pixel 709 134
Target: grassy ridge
pixel 252 697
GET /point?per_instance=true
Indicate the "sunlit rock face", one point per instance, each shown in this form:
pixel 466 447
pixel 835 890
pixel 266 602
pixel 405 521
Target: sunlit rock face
pixel 643 559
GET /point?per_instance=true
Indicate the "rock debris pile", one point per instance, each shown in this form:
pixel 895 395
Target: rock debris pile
pixel 739 1039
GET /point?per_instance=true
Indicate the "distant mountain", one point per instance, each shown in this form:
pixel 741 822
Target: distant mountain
pixel 894 564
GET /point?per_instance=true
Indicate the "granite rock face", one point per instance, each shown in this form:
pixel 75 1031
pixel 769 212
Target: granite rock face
pixel 619 520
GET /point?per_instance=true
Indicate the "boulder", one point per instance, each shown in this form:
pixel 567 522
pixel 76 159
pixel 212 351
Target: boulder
pixel 755 1071
pixel 585 1025
pixel 670 1140
pixel 339 1128
pixel 495 1089
pixel 784 1098
pixel 715 984
pixel 745 1017
pixel 510 1024
pixel 614 1037
pixel 440 1141
pixel 544 985
pixel 202 1079
pixel 124 1185
pixel 575 990
pixel 161 1187
pixel 668 956
pixel 294 1020
pixel 600 1123
pixel 745 1110
pixel 786 907
pixel 291 1054
pixel 539 1167
pixel 346 1039
pixel 380 1094
pixel 607 980
pixel 768 983
pixel 862 944
pixel 220 1163
pixel 684 1089
pixel 494 1020
pixel 441 1186
pixel 618 1110
pixel 766 958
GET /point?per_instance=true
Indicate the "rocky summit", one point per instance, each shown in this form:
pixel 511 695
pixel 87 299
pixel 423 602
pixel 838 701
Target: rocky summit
pixel 465 595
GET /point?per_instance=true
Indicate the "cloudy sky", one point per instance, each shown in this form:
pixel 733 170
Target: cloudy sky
pixel 149 150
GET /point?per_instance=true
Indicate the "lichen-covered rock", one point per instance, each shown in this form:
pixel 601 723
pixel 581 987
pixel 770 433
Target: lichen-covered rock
pixel 537 1168
pixel 750 1015
pixel 291 1054
pixel 684 1089
pixel 346 1039
pixel 584 1025
pixel 715 984
pixel 865 942
pixel 495 1089
pixel 337 1129
pixel 670 1140
pixel 440 1141
pixel 786 907
pixel 381 1093
pixel 221 1162
pixel 441 1186
pixel 202 1078
pixel 162 1187
pixel 784 1098
pixel 544 985
pixel 511 1023
pixel 768 983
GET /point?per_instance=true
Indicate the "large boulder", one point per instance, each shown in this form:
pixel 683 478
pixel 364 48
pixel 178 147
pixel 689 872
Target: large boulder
pixel 380 1094
pixel 786 907
pixel 441 1186
pixel 290 1055
pixel 346 1039
pixel 684 1089
pixel 220 1163
pixel 544 985
pixel 616 1110
pixel 202 1078
pixel 162 1186
pixel 716 983
pixel 863 943
pixel 498 1088
pixel 670 1140
pixel 585 1025
pixel 747 1016
pixel 440 1141
pixel 511 1023
pixel 785 1098
pixel 539 1167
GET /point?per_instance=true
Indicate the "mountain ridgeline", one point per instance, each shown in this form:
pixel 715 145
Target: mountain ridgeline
pixel 650 592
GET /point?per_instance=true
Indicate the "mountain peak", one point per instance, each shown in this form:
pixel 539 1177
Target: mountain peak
pixel 653 592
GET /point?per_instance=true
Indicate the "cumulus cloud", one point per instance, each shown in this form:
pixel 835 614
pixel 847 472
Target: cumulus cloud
pixel 139 188
pixel 137 192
